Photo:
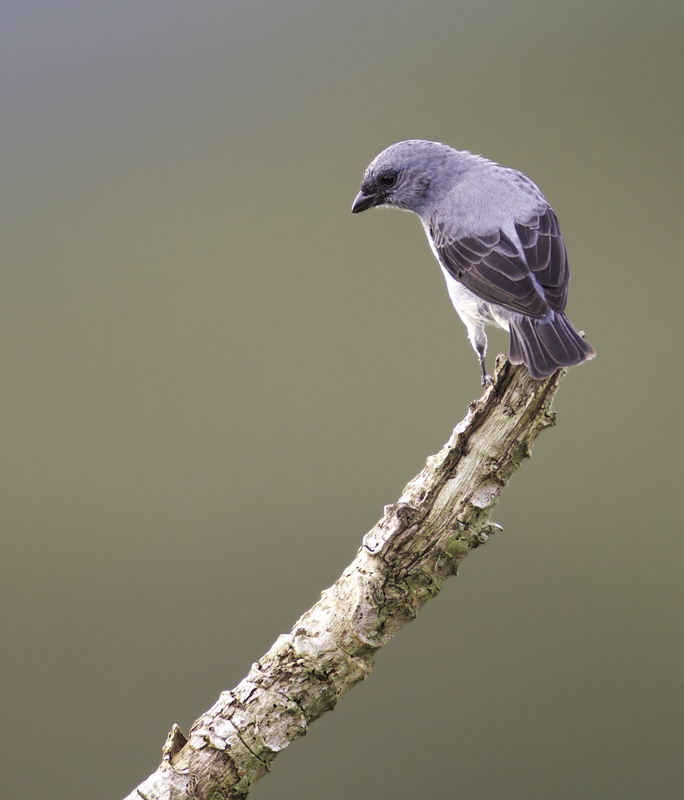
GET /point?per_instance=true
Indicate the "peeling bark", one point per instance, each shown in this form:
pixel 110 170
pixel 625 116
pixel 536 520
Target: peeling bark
pixel 404 560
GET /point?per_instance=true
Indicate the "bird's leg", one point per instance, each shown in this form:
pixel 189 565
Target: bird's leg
pixel 478 339
pixel 487 379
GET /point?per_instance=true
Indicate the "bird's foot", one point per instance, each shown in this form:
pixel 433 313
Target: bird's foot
pixel 486 378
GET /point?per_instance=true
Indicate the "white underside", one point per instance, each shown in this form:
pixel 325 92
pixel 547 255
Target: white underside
pixel 474 311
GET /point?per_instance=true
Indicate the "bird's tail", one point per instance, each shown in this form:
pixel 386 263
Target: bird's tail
pixel 547 345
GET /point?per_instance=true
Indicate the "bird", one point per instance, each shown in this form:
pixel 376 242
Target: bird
pixel 497 241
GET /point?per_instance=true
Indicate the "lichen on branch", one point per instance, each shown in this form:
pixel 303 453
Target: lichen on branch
pixel 403 562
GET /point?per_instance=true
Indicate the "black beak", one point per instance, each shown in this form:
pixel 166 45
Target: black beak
pixel 365 201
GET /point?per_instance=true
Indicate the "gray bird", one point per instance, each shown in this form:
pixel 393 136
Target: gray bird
pixel 497 241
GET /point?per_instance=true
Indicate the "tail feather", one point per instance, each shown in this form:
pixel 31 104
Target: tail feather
pixel 547 345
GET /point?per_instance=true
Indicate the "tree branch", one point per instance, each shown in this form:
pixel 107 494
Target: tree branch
pixel 404 560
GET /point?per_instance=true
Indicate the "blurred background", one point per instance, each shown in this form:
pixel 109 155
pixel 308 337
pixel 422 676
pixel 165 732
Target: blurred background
pixel 214 378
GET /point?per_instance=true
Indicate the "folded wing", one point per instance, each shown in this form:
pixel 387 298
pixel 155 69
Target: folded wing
pixel 492 266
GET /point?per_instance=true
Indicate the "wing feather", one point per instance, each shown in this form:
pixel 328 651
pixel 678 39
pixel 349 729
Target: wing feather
pixel 493 267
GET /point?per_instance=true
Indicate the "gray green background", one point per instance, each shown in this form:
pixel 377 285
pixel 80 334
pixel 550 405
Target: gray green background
pixel 214 377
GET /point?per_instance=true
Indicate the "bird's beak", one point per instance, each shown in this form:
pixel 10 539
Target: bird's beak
pixel 365 201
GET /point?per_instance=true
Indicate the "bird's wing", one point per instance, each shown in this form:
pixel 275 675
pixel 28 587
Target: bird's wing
pixel 493 268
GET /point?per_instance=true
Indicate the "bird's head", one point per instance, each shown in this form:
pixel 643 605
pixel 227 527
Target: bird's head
pixel 409 175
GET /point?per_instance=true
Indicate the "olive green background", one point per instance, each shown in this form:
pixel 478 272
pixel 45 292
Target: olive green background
pixel 214 377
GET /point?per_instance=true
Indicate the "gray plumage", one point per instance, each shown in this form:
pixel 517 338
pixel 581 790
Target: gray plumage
pixel 497 241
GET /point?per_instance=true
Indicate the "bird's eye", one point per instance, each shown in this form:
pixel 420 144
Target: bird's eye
pixel 388 178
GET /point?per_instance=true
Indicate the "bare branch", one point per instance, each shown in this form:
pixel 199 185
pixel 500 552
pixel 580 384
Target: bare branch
pixel 441 516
